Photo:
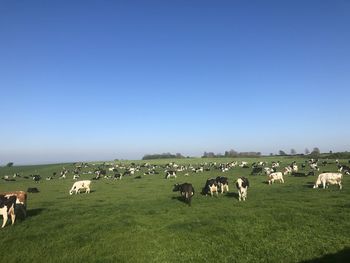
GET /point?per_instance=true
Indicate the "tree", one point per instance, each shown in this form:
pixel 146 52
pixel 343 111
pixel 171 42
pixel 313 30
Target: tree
pixel 10 164
pixel 316 151
pixel 293 151
pixel 280 152
pixel 307 151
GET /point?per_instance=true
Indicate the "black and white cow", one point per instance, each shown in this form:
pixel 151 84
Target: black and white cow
pixel 169 174
pixel 211 186
pixel 257 170
pixel 222 183
pixel 343 168
pixel 186 190
pixel 36 178
pixel 7 207
pixel 242 185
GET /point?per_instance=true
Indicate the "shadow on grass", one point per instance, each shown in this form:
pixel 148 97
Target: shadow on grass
pixel 180 199
pixel 232 195
pixel 34 212
pixel 341 256
pixel 309 185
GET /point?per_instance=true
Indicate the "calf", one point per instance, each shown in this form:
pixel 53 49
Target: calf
pixel 277 176
pixel 329 178
pixel 211 186
pixel 7 207
pixel 77 186
pixel 242 185
pixel 222 183
pixel 186 191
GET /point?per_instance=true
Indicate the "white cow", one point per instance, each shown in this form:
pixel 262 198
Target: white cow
pixel 329 178
pixel 80 185
pixel 277 176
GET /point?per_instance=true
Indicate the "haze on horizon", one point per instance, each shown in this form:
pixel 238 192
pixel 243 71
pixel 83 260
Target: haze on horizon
pixel 100 80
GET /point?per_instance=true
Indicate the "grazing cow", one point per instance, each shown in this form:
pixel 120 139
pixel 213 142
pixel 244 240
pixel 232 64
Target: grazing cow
pixel 242 185
pixel 329 178
pixel 243 164
pixel 76 176
pixel 21 200
pixel 186 191
pixel 287 170
pixel 277 176
pixel 256 170
pixel 117 176
pixel 345 169
pixel 7 207
pixel 222 183
pixel 77 186
pixel 269 170
pixel 314 167
pixel 36 178
pixel 169 174
pixel 275 164
pixel 211 186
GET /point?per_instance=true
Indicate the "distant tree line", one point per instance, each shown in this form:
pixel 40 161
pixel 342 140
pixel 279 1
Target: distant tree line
pixel 231 153
pixel 163 156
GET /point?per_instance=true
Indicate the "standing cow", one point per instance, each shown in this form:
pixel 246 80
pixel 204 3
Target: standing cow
pixel 242 185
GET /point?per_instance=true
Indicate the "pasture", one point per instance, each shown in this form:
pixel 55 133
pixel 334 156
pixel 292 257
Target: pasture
pixel 142 220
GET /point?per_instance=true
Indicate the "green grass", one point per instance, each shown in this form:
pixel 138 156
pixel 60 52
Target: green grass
pixel 142 220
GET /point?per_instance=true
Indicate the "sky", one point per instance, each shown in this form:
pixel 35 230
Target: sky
pixel 103 80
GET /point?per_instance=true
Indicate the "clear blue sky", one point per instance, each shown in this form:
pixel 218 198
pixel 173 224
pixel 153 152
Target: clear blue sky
pixel 98 80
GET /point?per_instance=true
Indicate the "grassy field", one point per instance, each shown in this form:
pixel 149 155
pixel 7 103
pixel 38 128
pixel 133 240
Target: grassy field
pixel 142 220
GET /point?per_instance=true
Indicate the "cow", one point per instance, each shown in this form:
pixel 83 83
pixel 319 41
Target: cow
pixel 242 185
pixel 343 168
pixel 256 170
pixel 117 176
pixel 7 207
pixel 277 176
pixel 77 186
pixel 275 164
pixel 211 186
pixel 169 174
pixel 222 183
pixel 21 201
pixel 314 167
pixel 36 178
pixel 186 190
pixel 329 178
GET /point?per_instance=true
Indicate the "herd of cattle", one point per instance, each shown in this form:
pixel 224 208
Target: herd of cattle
pixel 15 202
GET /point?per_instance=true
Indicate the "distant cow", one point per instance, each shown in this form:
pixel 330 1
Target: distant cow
pixel 7 207
pixel 211 186
pixel 242 185
pixel 277 176
pixel 36 178
pixel 256 170
pixel 186 190
pixel 80 185
pixel 169 174
pixel 343 168
pixel 222 183
pixel 329 178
